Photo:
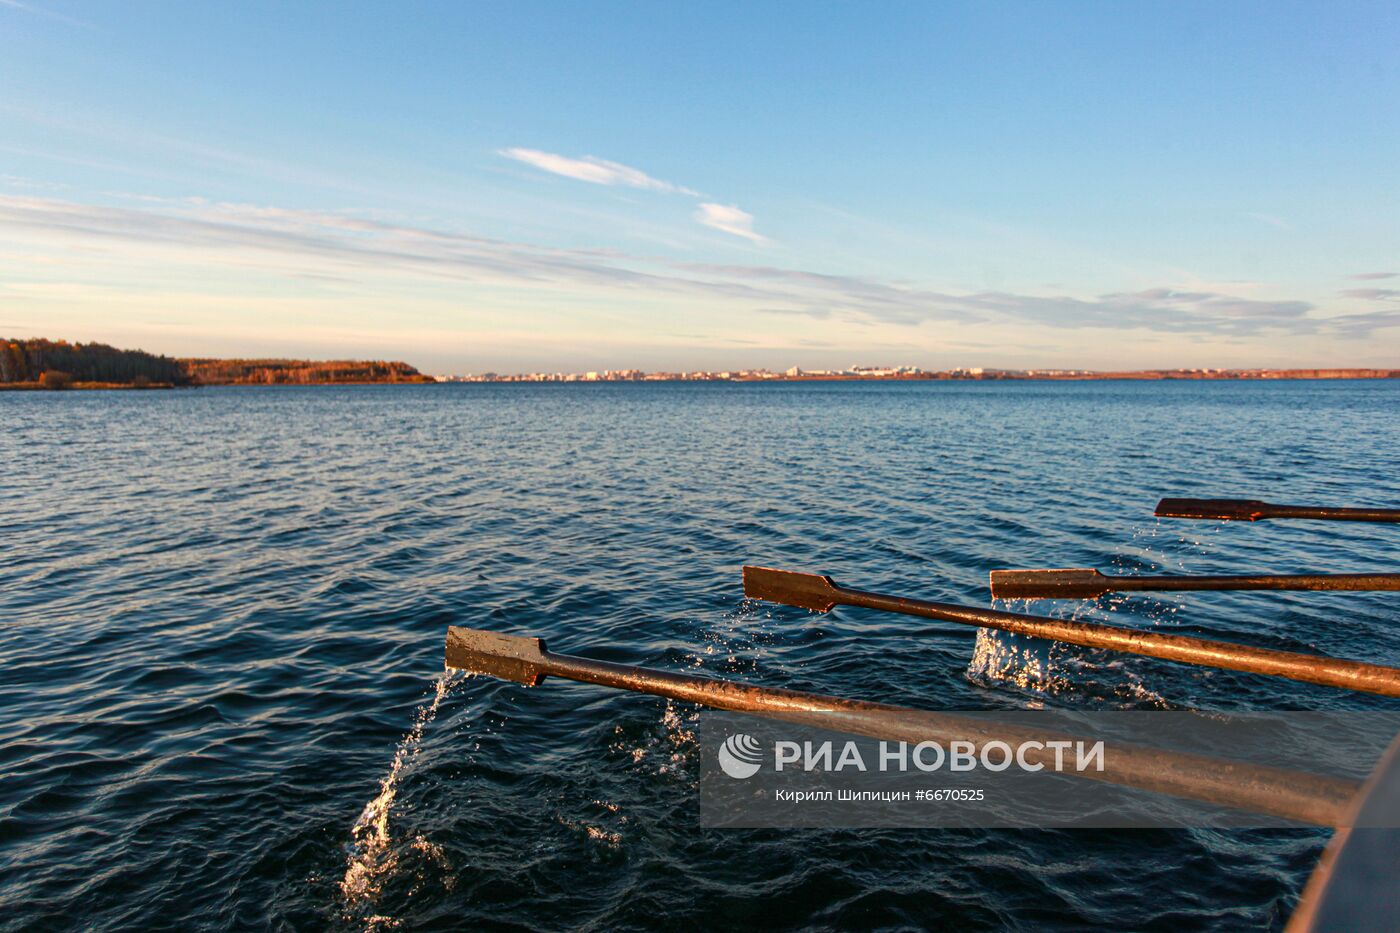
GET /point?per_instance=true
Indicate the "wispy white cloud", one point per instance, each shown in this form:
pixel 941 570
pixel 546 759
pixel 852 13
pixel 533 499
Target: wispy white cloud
pixel 1374 294
pixel 1163 310
pixel 17 181
pixel 1373 276
pixel 724 217
pixel 203 236
pixel 595 170
pixel 729 219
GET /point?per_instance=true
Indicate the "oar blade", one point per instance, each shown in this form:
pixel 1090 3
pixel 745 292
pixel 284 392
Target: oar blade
pixel 1076 583
pixel 804 590
pixel 509 657
pixel 1229 510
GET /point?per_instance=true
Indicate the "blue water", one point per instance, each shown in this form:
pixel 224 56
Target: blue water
pixel 222 615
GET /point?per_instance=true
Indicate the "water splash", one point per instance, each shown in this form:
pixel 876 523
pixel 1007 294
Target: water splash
pixel 597 834
pixel 670 748
pixel 1049 668
pixel 1007 659
pixel 733 642
pixel 1015 660
pixel 373 858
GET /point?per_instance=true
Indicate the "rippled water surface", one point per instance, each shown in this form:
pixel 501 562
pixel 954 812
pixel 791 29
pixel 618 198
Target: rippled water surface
pixel 222 615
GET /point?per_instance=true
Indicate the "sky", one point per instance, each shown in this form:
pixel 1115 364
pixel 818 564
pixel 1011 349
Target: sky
pixel 514 186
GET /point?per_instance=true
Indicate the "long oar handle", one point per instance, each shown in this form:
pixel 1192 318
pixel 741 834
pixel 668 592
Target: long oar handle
pixel 1085 583
pixel 819 593
pixel 1329 672
pixel 1293 795
pixel 1302 581
pixel 1250 510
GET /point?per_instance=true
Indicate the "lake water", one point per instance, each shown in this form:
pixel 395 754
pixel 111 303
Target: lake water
pixel 222 615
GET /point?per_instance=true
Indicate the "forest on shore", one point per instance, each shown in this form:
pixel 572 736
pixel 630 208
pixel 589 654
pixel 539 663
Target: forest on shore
pixel 211 372
pixel 58 364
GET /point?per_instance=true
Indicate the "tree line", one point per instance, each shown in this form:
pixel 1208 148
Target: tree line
pixel 59 364
pixel 298 372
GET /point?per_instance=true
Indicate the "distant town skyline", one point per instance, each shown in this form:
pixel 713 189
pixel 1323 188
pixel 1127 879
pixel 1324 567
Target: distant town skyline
pixel 518 188
pixel 918 373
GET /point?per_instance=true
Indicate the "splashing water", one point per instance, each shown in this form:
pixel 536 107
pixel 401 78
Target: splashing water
pixel 373 858
pixel 1040 666
pixel 1015 660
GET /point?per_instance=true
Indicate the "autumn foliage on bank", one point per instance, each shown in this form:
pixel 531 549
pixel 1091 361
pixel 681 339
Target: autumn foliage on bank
pixel 58 364
pixel 298 372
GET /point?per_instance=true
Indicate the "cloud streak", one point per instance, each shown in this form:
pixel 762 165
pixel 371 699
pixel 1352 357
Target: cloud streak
pixel 729 219
pixel 1162 310
pixel 369 252
pixel 723 217
pixel 594 170
pixel 1374 294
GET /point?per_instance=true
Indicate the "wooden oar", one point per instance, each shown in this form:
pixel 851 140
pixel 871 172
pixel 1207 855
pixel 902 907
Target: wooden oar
pixel 1252 510
pixel 1353 886
pixel 821 593
pixel 1086 583
pixel 1308 798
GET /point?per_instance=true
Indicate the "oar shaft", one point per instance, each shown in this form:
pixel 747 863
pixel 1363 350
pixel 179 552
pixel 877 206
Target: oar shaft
pixel 1303 581
pixel 1250 510
pixel 1083 583
pixel 1307 798
pixel 1333 514
pixel 1329 672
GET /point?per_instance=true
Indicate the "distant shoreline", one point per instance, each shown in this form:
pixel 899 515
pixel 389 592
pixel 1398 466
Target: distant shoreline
pixel 1136 375
pixel 1145 375
pixel 1303 375
pixel 85 386
pixel 162 386
pixel 38 364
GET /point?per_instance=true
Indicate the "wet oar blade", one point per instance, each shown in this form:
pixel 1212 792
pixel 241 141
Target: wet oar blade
pixel 812 591
pixel 1293 795
pixel 509 657
pixel 1237 510
pixel 1078 583
pixel 804 590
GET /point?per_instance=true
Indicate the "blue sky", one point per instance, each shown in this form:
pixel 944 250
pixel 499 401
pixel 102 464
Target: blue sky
pixel 510 186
